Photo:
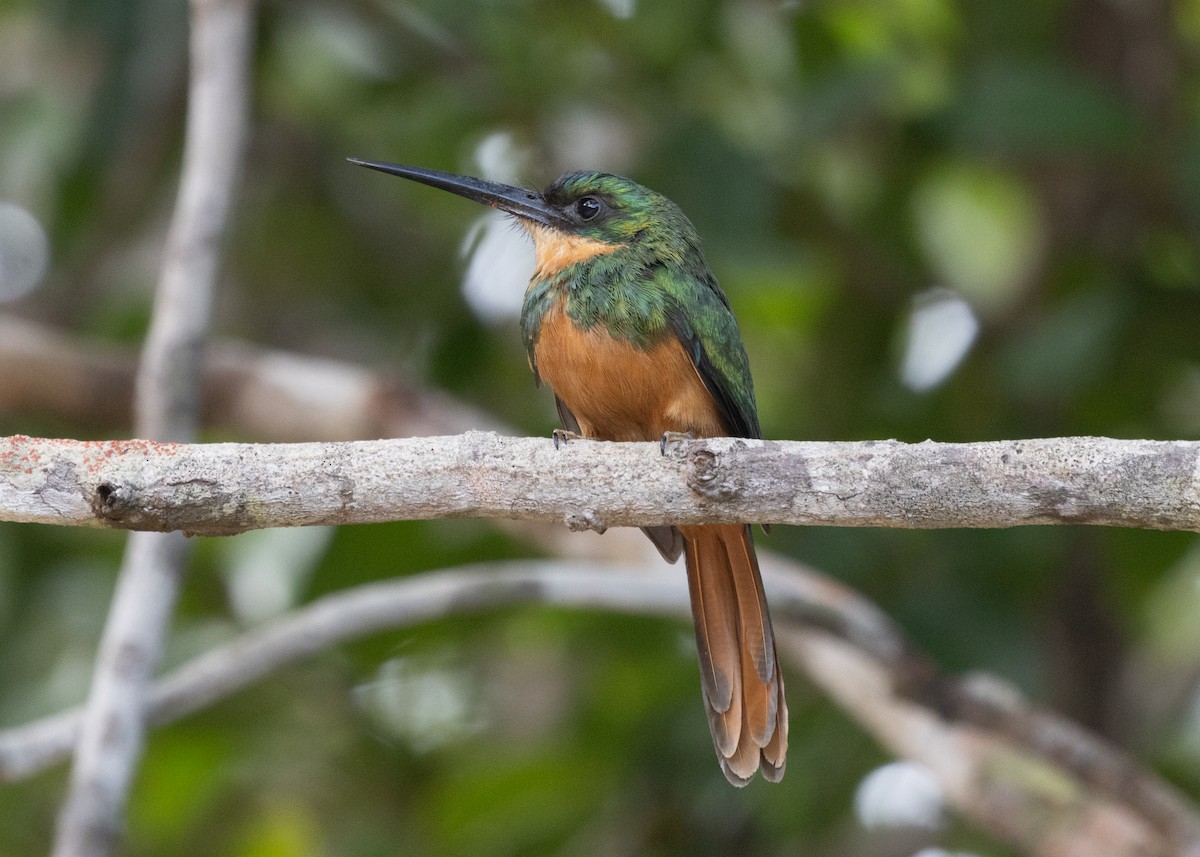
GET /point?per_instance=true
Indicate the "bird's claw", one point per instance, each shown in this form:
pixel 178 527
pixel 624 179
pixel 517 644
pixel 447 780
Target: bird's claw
pixel 562 436
pixel 670 438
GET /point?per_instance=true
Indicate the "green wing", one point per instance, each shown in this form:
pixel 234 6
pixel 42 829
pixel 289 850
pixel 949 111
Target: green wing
pixel 702 319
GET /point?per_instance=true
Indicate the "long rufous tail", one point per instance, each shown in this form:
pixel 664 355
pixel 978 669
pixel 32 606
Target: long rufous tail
pixel 739 673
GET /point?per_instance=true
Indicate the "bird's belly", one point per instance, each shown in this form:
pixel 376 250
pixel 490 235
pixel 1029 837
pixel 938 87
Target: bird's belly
pixel 618 391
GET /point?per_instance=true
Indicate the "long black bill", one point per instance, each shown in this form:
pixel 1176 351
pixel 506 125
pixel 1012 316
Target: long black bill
pixel 522 202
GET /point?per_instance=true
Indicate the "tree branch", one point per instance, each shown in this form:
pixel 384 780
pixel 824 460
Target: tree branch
pixel 249 391
pixel 167 396
pixel 220 489
pixel 1000 762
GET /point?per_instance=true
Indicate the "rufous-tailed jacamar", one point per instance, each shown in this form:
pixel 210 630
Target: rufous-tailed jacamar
pixel 626 323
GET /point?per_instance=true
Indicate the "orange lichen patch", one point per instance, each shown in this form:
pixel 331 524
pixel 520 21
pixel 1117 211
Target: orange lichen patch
pixel 97 454
pixel 19 453
pixel 620 392
pixel 557 250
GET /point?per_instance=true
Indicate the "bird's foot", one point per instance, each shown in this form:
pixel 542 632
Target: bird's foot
pixel 670 438
pixel 562 436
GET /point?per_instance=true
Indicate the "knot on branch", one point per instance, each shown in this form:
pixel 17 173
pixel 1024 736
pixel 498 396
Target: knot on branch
pixel 120 504
pixel 577 522
pixel 109 499
pixel 189 505
pixel 709 474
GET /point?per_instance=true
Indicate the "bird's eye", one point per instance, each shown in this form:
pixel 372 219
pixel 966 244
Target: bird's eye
pixel 587 207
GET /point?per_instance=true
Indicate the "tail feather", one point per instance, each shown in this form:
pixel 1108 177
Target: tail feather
pixel 715 620
pixel 740 678
pixel 758 639
pixel 774 754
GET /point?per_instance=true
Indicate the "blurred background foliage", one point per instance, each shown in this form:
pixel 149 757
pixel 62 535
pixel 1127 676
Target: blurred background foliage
pixel 963 221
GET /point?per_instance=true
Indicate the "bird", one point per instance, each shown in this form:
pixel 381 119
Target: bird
pixel 624 321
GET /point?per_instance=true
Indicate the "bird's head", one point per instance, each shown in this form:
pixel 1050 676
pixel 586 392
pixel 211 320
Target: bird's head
pixel 580 214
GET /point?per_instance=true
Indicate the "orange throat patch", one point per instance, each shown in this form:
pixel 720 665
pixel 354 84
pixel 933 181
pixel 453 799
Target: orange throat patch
pixel 556 250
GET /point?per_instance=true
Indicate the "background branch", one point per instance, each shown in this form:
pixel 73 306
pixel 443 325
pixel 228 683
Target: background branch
pixel 110 736
pixel 248 391
pixel 980 738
